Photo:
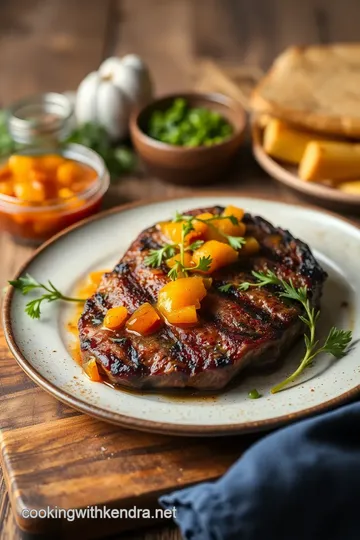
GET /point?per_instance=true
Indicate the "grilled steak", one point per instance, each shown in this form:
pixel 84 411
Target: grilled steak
pixel 235 328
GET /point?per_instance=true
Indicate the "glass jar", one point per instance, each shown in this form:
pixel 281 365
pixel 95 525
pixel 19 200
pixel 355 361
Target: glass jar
pixel 43 120
pixel 33 223
pixel 40 125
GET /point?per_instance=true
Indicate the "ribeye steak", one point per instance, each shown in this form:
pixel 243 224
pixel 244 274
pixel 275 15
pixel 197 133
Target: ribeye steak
pixel 235 328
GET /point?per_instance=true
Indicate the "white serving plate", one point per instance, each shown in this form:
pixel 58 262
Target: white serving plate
pixel 41 347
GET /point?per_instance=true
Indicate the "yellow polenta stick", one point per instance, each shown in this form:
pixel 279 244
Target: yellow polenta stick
pixel 350 187
pixel 323 160
pixel 285 143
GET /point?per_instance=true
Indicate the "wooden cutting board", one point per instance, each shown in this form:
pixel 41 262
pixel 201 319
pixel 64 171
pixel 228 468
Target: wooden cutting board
pixel 54 456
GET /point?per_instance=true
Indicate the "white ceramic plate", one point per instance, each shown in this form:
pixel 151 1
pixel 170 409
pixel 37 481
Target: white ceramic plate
pixel 40 347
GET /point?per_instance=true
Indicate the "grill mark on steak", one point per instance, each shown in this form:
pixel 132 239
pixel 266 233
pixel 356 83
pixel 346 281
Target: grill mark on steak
pixel 148 242
pixel 123 289
pixel 235 328
pixel 232 317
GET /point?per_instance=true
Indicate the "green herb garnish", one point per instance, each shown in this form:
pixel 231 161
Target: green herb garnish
pixel 226 287
pixel 195 245
pixel 254 394
pixel 337 340
pixel 178 268
pixel 7 144
pixel 118 159
pixel 156 256
pixel 182 125
pixel 28 284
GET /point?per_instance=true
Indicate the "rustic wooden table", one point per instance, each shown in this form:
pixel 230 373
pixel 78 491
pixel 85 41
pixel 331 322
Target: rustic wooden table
pixel 52 44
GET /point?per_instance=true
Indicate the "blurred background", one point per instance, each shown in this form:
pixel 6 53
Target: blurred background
pixel 53 44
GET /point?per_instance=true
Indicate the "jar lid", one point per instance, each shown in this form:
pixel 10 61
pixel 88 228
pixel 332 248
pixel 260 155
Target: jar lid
pixel 41 119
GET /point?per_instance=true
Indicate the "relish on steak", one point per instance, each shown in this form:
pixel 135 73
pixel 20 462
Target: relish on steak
pixel 235 328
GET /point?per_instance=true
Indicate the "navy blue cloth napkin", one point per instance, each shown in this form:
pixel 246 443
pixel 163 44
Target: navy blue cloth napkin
pixel 300 482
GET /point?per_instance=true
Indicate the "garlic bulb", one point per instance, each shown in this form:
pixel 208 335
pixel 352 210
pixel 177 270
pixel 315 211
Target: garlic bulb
pixel 108 96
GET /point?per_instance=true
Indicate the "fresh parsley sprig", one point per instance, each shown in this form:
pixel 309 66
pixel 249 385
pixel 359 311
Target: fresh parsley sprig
pixel 195 245
pixel 226 287
pixel 27 284
pixel 202 266
pixel 236 242
pixel 156 256
pixel 335 343
pixel 263 278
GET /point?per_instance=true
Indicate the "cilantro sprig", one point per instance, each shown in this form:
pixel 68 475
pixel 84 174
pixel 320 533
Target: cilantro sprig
pixel 156 256
pixel 27 284
pixel 335 343
pixel 226 287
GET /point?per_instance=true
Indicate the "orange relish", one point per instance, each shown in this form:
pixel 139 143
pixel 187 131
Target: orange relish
pixel 40 194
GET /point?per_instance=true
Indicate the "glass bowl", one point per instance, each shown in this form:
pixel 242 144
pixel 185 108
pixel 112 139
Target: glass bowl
pixel 33 223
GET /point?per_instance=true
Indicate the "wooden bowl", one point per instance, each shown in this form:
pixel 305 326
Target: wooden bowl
pixel 286 174
pixel 184 165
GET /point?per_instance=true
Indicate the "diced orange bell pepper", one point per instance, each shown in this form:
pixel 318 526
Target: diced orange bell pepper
pixel 38 175
pixel 96 277
pixel 115 317
pixel 186 315
pixel 173 231
pixel 251 246
pixel 21 165
pixel 226 227
pixel 5 172
pixel 65 193
pixel 234 211
pixel 29 191
pixel 181 293
pixel 200 227
pixel 68 172
pixel 221 254
pixel 6 188
pixel 50 162
pixel 176 258
pixel 92 371
pixel 145 320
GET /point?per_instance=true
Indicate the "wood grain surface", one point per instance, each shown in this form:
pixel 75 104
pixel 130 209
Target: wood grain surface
pixel 51 45
pixel 54 456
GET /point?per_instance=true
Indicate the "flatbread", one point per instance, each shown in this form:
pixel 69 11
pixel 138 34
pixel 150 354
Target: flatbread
pixel 315 88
